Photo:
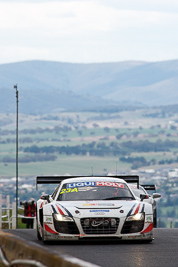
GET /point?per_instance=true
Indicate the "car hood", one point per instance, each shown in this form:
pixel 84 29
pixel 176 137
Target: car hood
pixel 93 208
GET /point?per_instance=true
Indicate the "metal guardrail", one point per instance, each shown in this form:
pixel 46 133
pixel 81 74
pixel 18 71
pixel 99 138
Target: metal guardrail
pixel 19 261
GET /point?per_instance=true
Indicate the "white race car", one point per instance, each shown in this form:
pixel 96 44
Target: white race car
pixel 149 199
pixel 93 207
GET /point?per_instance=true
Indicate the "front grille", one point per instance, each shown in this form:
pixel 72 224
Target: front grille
pixel 132 227
pixel 66 227
pixel 99 226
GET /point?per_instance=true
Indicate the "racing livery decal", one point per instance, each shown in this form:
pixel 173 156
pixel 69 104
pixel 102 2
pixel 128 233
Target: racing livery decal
pixel 148 228
pixel 143 208
pixel 48 229
pixel 137 209
pixel 130 212
pixel 68 213
pixel 59 209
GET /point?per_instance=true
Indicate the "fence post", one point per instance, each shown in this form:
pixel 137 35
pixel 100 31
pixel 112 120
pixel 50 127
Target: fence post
pixel 34 223
pixel 14 215
pixel 0 211
pixel 8 210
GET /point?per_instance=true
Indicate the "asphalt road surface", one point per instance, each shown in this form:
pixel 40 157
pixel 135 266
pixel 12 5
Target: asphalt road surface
pixel 162 252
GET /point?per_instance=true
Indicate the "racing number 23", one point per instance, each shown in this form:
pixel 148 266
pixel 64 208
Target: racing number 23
pixel 69 190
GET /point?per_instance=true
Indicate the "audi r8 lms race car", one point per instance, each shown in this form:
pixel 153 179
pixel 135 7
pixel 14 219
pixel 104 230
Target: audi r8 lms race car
pixel 93 207
pixel 149 199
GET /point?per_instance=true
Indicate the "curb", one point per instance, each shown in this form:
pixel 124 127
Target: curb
pixel 15 248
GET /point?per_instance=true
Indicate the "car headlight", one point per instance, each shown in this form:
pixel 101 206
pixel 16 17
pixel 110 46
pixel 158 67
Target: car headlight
pixel 136 217
pixel 62 218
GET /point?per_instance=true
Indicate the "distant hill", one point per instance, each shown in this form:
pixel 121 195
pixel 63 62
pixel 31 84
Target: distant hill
pixel 46 86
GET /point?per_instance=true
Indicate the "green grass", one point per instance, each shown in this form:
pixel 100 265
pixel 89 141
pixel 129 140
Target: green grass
pixel 127 122
pixel 65 164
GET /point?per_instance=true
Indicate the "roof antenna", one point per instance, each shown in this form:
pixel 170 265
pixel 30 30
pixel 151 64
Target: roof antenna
pixel 92 170
pixel 116 167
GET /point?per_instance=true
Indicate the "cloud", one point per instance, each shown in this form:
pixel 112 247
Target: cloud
pixel 76 17
pixel 147 5
pixel 79 31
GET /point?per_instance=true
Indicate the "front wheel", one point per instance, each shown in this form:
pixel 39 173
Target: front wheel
pixel 38 235
pixel 43 236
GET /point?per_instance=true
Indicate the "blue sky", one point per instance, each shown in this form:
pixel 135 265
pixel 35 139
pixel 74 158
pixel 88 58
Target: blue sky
pixel 86 31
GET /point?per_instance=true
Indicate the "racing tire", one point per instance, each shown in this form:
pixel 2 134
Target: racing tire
pixel 43 238
pixel 155 219
pixel 37 231
pixel 38 234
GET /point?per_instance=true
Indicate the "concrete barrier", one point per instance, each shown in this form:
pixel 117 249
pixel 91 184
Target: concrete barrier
pixel 14 248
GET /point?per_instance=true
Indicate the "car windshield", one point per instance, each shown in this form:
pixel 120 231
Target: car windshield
pixel 95 190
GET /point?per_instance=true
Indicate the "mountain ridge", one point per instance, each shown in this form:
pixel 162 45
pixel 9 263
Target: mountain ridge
pixel 52 85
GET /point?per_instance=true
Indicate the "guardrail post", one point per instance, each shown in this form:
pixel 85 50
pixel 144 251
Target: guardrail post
pixel 14 215
pixel 0 211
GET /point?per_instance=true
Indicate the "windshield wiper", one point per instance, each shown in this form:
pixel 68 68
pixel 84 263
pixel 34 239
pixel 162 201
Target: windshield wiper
pixel 117 198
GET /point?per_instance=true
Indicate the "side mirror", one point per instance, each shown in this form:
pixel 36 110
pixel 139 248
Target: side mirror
pixel 45 197
pixel 143 196
pixel 156 195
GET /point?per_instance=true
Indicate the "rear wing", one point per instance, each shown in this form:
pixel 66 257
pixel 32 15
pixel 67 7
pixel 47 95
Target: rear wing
pixel 58 179
pixel 149 187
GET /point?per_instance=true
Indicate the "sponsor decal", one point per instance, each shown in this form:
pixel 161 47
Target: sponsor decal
pixel 98 204
pixel 102 183
pixel 133 186
pixel 48 219
pixel 135 236
pixel 96 223
pixel 146 235
pixel 99 210
pixel 149 219
pixel 69 190
pixel 66 237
